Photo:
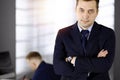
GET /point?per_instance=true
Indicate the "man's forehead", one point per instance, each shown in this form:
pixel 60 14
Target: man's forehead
pixel 85 4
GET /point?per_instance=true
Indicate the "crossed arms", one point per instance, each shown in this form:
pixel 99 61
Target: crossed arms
pixel 101 63
pixel 102 53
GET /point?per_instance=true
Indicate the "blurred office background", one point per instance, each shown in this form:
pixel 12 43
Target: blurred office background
pixel 28 25
pixel 7 39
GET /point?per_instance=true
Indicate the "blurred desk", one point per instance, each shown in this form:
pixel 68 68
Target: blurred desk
pixel 8 76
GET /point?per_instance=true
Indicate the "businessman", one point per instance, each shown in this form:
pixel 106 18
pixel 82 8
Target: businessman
pixel 86 49
pixel 43 71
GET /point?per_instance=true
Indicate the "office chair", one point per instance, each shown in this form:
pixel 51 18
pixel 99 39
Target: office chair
pixel 5 63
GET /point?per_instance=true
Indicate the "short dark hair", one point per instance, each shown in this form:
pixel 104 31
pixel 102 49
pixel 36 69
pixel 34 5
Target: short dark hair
pixel 97 2
pixel 34 54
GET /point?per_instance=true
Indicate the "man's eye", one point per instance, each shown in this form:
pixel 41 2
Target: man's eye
pixel 91 11
pixel 81 10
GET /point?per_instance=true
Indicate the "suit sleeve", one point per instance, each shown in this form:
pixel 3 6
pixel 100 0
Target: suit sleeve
pixel 42 76
pixel 60 66
pixel 104 64
pixel 98 65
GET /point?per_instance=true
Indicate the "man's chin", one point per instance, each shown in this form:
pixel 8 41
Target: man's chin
pixel 85 25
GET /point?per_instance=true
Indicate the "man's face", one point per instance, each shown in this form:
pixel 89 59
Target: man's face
pixel 86 13
pixel 31 64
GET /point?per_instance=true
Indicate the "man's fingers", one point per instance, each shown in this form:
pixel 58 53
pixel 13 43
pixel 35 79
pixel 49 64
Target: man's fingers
pixel 106 52
pixel 66 59
pixel 102 53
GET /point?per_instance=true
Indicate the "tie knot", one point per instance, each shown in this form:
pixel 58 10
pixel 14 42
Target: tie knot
pixel 85 33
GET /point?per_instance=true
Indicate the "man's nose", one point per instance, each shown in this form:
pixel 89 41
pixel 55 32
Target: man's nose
pixel 86 15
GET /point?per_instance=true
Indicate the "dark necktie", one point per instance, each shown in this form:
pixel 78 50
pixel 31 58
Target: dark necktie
pixel 84 37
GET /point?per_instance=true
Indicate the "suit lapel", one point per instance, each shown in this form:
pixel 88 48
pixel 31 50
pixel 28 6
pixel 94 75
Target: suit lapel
pixel 76 36
pixel 94 32
pixel 93 37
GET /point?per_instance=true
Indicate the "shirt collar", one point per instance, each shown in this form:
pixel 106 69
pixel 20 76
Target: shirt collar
pixel 80 29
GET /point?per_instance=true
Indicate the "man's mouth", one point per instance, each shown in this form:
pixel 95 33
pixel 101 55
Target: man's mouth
pixel 85 21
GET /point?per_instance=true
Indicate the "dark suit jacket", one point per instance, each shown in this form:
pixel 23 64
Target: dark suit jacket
pixel 68 43
pixel 45 72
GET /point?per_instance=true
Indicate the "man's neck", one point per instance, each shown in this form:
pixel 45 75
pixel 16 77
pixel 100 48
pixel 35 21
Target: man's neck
pixel 83 28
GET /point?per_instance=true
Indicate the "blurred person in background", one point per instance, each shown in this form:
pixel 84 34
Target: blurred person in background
pixel 43 71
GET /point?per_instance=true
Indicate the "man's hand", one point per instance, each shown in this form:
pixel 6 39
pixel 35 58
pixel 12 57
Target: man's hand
pixel 102 53
pixel 25 78
pixel 68 59
pixel 71 59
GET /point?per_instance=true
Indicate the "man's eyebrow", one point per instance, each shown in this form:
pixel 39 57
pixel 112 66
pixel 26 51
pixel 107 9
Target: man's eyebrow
pixel 81 8
pixel 91 9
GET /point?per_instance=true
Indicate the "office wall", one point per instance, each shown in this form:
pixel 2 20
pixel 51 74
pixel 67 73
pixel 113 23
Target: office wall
pixel 7 27
pixel 117 30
